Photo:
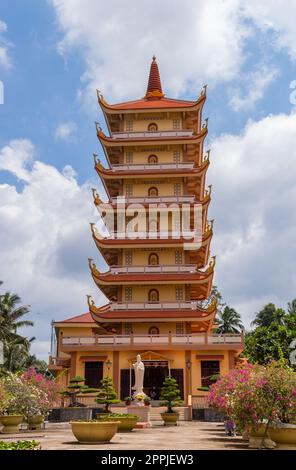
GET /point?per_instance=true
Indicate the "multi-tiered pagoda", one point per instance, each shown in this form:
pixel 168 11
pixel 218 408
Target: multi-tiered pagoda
pixel 158 288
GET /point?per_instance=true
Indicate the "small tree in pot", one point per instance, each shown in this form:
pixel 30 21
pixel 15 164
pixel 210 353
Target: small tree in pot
pixel 170 396
pixel 75 388
pixel 107 395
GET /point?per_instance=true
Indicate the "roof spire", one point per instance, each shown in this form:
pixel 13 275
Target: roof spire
pixel 154 90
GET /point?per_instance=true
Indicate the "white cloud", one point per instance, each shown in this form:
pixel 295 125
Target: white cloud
pixel 5 60
pixel 195 43
pixel 255 84
pixel 66 131
pixel 254 195
pixel 45 238
pixel 278 17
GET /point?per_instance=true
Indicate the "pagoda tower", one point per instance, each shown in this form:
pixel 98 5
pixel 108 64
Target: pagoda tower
pixel 159 293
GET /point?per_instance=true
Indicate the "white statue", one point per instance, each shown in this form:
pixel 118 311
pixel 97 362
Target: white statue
pixel 139 369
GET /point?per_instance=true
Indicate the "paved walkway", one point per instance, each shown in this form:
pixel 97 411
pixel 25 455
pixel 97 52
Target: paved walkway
pixel 186 436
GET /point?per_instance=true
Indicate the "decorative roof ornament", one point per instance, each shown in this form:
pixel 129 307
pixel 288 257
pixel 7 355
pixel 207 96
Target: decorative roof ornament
pixel 154 89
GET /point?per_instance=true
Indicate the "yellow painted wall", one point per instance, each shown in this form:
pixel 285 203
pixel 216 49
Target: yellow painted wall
pixel 167 293
pixel 141 187
pixel 163 156
pixel 142 121
pixel 140 258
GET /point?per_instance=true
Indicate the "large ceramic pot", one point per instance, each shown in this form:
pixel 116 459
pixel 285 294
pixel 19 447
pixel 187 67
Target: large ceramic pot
pixel 94 432
pixel 126 423
pixel 284 434
pixel 11 423
pixel 170 419
pixel 35 422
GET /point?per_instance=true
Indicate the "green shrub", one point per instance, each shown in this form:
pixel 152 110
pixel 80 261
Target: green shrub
pixel 19 445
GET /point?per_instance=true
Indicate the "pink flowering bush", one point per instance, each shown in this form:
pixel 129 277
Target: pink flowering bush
pixel 49 387
pixel 256 394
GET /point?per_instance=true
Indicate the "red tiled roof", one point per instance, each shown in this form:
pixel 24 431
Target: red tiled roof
pixel 83 318
pixel 144 103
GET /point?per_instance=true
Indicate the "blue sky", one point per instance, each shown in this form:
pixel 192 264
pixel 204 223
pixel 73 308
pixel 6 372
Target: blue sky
pixel 53 56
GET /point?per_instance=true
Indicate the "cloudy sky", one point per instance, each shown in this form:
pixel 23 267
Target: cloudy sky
pixel 55 53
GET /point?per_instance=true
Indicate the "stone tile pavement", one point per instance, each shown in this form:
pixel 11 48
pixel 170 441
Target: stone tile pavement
pixel 185 436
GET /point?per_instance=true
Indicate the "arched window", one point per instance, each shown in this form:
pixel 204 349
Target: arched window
pixel 152 160
pixel 153 330
pixel 152 127
pixel 153 259
pixel 153 295
pixel 153 192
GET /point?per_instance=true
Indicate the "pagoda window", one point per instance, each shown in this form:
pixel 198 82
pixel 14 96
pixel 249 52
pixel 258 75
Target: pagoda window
pixel 177 189
pixel 129 126
pixel 152 127
pixel 179 328
pixel 153 295
pixel 128 294
pixel 176 124
pixel 153 259
pixel 153 192
pixel 208 370
pixel 128 258
pixel 178 257
pixel 177 156
pixel 128 190
pixel 129 157
pixel 179 293
pixel 153 330
pixel 152 160
pixel 128 328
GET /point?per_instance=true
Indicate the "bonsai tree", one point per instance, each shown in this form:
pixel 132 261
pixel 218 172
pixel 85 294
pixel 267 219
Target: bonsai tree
pixel 75 388
pixel 107 395
pixel 170 394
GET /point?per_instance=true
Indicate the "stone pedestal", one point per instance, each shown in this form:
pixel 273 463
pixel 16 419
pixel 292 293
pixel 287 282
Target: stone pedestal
pixel 144 414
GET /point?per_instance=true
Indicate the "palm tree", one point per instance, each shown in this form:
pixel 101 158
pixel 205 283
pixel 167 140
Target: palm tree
pixel 16 346
pixel 229 321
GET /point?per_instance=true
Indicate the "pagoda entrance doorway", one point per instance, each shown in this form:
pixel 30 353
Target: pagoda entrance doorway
pixel 155 373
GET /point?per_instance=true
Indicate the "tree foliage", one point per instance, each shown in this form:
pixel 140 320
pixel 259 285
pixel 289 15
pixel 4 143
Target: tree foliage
pixel 170 394
pixel 275 329
pixel 107 395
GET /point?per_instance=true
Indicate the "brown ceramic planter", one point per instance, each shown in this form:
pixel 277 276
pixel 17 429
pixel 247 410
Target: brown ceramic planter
pixel 94 432
pixel 35 422
pixel 10 423
pixel 126 423
pixel 170 419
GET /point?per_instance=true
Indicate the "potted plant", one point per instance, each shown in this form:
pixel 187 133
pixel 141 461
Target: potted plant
pixel 75 388
pixel 93 431
pixel 107 395
pixel 170 396
pixel 127 421
pixel 12 398
pixel 147 401
pixel 128 401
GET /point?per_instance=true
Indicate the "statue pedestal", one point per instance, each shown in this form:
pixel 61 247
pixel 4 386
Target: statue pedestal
pixel 144 414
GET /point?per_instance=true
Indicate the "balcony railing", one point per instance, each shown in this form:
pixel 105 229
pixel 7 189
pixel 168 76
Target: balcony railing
pixel 151 200
pixel 151 166
pixel 174 268
pixel 151 135
pixel 190 305
pixel 168 339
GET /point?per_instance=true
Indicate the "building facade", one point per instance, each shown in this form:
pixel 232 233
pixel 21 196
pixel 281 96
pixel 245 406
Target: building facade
pixel 159 274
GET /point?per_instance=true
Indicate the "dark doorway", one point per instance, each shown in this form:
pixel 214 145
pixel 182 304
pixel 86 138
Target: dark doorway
pixel 125 382
pixel 208 370
pixel 93 373
pixel 155 374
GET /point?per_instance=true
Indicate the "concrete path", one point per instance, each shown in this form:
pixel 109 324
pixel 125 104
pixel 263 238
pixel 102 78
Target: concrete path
pixel 185 436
